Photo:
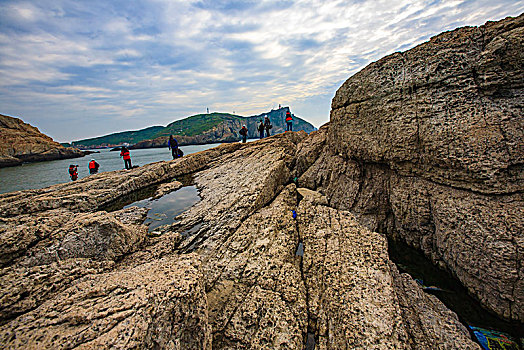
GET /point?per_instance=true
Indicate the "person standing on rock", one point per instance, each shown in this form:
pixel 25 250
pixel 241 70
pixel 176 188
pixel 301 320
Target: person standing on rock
pixel 93 167
pixel 172 144
pixel 243 132
pixel 73 172
pixel 261 129
pixel 124 153
pixel 289 121
pixel 267 125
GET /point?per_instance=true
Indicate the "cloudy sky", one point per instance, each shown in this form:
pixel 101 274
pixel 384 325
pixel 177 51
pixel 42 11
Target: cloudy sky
pixel 78 69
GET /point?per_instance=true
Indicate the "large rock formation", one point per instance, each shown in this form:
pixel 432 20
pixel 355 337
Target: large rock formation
pixel 260 262
pixel 226 274
pixel 427 146
pixel 21 142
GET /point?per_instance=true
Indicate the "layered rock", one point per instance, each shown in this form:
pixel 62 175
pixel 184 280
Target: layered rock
pixel 427 146
pixel 21 142
pixel 160 305
pixel 260 263
pixel 226 274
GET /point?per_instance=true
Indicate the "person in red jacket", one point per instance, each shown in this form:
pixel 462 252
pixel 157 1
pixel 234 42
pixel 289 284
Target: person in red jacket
pixel 73 172
pixel 289 121
pixel 124 152
pixel 93 167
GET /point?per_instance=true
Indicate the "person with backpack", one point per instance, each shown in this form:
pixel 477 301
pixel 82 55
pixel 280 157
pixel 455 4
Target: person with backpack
pixel 261 129
pixel 73 172
pixel 267 125
pixel 124 153
pixel 172 144
pixel 289 121
pixel 243 132
pixel 93 167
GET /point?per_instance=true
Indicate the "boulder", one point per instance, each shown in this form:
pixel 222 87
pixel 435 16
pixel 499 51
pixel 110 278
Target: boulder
pixel 161 305
pixel 426 146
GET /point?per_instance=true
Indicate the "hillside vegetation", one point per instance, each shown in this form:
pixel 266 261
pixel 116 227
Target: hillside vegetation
pixel 196 129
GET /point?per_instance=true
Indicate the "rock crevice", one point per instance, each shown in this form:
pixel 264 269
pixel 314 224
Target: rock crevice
pixel 438 164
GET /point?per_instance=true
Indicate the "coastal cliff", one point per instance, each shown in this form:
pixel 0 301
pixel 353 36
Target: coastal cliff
pixel 287 247
pixel 21 142
pixel 427 147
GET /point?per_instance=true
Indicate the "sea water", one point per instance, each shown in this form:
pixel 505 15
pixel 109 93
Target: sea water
pixel 43 174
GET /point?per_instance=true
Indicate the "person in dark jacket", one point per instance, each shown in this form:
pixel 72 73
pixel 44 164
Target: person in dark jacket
pixel 172 144
pixel 261 129
pixel 289 121
pixel 267 125
pixel 243 132
pixel 93 167
pixel 124 153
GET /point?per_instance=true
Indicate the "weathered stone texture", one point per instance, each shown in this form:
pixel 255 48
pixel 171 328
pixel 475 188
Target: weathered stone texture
pixel 449 110
pixel 21 142
pixel 161 305
pixel 427 146
pixel 427 321
pixel 356 297
pixel 224 275
pixel 352 301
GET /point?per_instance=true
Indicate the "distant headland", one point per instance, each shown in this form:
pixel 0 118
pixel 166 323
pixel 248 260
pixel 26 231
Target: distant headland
pixel 196 129
pixel 21 142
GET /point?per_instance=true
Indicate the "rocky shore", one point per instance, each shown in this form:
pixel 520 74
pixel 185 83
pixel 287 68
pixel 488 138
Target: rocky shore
pixel 287 248
pixel 21 142
pixel 427 146
pixel 77 276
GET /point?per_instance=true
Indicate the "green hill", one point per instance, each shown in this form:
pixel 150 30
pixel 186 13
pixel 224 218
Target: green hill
pixel 197 129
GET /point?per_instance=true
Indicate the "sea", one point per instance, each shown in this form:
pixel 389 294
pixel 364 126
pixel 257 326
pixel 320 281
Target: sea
pixel 43 174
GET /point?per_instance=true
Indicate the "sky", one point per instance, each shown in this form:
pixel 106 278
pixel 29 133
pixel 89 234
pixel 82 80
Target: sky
pixel 79 69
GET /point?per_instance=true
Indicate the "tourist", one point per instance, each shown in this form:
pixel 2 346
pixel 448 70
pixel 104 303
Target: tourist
pixel 124 152
pixel 261 129
pixel 267 125
pixel 73 172
pixel 93 167
pixel 172 144
pixel 289 121
pixel 243 132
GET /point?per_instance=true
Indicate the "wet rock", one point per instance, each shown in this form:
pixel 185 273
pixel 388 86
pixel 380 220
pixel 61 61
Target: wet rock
pixel 166 188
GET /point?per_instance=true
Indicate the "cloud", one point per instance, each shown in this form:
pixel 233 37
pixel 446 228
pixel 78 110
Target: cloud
pixel 83 69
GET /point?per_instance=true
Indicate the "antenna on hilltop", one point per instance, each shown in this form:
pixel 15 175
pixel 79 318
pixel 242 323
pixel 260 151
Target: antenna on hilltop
pixel 208 110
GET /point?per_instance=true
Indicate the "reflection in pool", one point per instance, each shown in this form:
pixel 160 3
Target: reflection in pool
pixel 164 209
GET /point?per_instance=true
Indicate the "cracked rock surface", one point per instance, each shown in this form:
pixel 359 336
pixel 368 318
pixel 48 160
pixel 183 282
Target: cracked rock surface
pixel 427 146
pixel 226 274
pixel 263 263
